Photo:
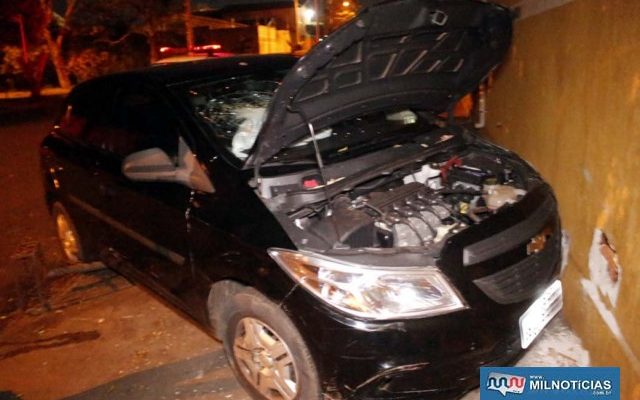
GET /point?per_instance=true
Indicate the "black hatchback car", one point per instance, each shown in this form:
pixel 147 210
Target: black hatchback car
pixel 319 216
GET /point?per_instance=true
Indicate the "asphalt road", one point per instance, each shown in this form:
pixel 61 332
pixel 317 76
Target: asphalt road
pixel 23 215
pixel 104 337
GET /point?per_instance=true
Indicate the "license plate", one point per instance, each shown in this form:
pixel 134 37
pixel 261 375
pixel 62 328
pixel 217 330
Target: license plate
pixel 538 315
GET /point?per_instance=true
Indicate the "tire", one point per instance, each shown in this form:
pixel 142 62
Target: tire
pixel 70 241
pixel 272 362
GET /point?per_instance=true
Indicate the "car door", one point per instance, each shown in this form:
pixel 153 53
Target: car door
pixel 150 217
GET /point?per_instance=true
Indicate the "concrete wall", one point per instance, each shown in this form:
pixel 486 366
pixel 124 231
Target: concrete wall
pixel 568 100
pixel 273 41
pixel 257 39
pixel 282 16
pixel 233 40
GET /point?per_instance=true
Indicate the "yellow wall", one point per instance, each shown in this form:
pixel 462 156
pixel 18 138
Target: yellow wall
pixel 273 41
pixel 568 100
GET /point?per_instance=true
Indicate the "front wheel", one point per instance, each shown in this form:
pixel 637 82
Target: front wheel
pixel 266 351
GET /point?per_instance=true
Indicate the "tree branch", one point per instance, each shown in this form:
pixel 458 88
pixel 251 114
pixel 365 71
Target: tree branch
pixel 114 42
pixel 71 6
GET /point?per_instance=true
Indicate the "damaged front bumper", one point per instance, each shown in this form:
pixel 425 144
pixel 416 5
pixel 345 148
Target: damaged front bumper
pixel 439 357
pixel 430 358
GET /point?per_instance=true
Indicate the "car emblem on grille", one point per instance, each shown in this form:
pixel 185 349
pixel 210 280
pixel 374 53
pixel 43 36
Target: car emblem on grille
pixel 538 242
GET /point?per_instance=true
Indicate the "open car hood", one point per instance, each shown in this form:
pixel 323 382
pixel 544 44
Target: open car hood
pixel 417 54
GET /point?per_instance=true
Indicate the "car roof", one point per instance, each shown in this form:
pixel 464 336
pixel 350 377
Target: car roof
pixel 170 74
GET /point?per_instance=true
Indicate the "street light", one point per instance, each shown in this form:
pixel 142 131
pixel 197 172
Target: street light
pixel 308 14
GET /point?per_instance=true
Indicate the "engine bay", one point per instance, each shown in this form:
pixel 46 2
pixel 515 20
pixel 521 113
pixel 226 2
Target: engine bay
pixel 415 206
pixel 422 208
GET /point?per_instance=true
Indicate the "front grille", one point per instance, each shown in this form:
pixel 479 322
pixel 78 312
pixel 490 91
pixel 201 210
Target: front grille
pixel 524 279
pixel 507 265
pixel 511 237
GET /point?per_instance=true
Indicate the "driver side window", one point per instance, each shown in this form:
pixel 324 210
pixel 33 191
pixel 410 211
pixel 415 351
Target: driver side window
pixel 137 120
pixel 148 123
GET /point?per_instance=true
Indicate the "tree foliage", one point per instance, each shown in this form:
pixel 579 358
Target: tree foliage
pixel 25 24
pixel 87 37
pixel 32 14
pixel 113 21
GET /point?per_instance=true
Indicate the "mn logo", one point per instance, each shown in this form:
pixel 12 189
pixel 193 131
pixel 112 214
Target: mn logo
pixel 505 383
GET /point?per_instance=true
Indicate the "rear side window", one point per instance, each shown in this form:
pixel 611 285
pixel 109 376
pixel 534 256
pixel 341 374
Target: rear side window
pixel 85 104
pixel 71 123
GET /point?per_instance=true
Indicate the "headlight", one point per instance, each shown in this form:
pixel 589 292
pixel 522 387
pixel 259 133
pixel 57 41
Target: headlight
pixel 368 292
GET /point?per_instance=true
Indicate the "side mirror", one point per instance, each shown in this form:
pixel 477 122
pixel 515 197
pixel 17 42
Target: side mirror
pixel 149 165
pixel 154 165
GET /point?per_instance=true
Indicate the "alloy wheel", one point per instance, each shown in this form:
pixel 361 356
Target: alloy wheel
pixel 265 360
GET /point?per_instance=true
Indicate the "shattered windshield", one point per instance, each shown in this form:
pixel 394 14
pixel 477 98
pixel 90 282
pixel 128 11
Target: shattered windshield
pixel 234 109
